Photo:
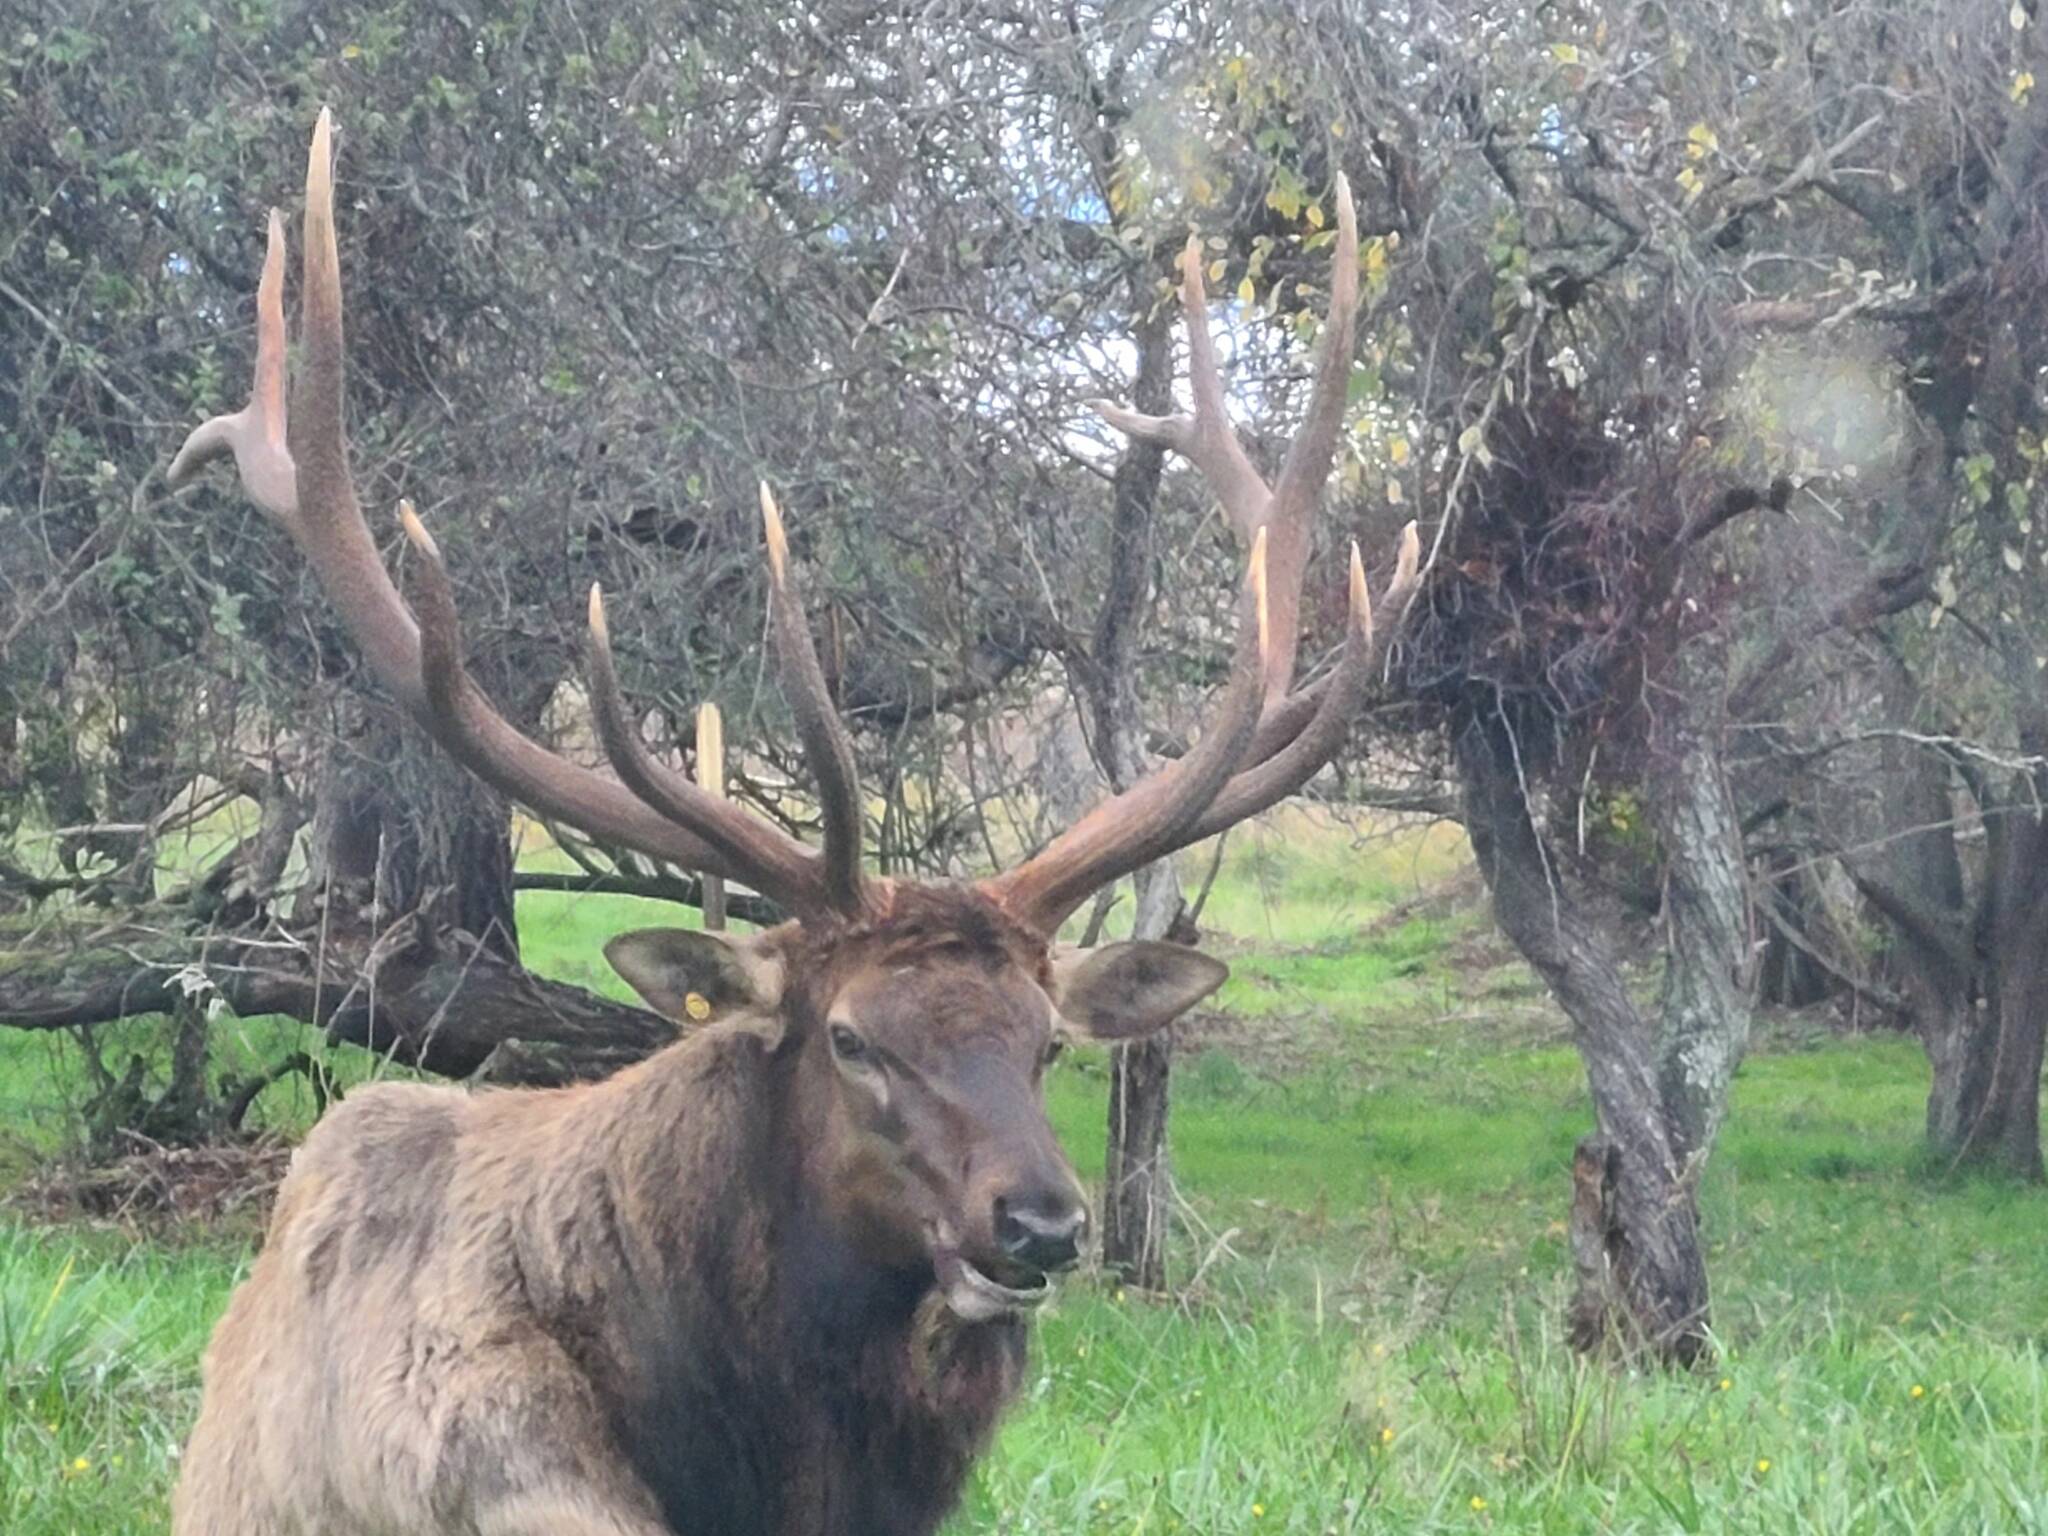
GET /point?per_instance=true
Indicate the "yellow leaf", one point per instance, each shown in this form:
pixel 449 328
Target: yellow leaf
pixel 1690 180
pixel 1700 141
pixel 1245 292
pixel 1336 127
pixel 1215 271
pixel 1202 191
pixel 1397 450
pixel 2022 85
pixel 1315 215
pixel 1394 493
pixel 2017 16
pixel 351 51
pixel 1472 444
pixel 1375 257
pixel 1564 53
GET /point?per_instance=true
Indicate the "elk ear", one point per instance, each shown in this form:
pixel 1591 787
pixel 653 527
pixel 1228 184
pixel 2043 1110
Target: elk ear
pixel 1121 991
pixel 694 977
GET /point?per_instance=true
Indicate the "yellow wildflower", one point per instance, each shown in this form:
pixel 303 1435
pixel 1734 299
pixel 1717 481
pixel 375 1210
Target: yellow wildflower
pixel 1918 1391
pixel 1763 1464
pixel 1478 1504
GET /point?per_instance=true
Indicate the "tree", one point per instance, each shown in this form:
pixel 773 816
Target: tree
pixel 1915 760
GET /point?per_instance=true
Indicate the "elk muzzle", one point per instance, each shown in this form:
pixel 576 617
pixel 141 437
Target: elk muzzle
pixel 1041 1229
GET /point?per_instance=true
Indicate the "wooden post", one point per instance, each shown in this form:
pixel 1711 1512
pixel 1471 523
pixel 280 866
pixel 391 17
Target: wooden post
pixel 711 775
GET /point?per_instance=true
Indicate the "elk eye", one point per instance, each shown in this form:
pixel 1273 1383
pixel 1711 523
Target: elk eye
pixel 847 1045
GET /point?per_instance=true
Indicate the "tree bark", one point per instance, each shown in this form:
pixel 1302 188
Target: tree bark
pixel 1709 974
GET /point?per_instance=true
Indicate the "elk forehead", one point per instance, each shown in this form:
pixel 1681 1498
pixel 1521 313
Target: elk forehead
pixel 946 998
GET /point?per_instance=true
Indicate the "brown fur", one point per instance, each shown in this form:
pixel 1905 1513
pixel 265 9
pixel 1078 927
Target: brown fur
pixel 694 1298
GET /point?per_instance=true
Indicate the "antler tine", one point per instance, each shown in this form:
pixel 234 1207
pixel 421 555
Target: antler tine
pixel 783 868
pixel 1204 436
pixel 1267 782
pixel 297 470
pixel 254 435
pixel 1309 457
pixel 1150 818
pixel 826 745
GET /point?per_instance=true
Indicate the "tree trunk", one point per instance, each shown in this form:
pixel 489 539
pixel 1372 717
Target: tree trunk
pixel 1979 1010
pixel 2005 1131
pixel 1137 1198
pixel 1955 1031
pixel 1641 1273
pixel 2002 1130
pixel 400 834
pixel 1974 964
pixel 1709 971
pixel 1659 1089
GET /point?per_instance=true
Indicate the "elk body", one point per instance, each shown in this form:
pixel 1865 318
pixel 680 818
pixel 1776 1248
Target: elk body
pixel 776 1279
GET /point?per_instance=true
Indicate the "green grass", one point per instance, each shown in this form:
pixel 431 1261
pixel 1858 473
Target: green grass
pixel 1371 1135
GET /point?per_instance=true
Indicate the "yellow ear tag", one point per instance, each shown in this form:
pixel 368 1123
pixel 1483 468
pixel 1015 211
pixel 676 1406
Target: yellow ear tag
pixel 697 1006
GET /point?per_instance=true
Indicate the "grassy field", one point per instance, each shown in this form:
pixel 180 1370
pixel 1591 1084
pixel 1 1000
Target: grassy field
pixel 1371 1135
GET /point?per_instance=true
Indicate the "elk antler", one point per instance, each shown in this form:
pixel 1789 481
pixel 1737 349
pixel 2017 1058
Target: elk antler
pixel 298 472
pixel 818 725
pixel 1294 734
pixel 1262 744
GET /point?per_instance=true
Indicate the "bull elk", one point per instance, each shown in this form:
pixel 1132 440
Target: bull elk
pixel 777 1278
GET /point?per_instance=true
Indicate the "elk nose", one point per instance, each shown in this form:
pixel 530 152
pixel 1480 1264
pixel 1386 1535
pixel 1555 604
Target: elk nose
pixel 1043 1231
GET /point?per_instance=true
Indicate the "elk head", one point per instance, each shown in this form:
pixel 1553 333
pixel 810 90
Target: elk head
pixel 913 1021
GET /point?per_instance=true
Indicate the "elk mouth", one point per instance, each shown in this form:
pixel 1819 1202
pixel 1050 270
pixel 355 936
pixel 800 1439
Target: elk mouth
pixel 975 1296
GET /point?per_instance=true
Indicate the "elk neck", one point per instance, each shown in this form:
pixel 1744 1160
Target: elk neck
pixel 836 1377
